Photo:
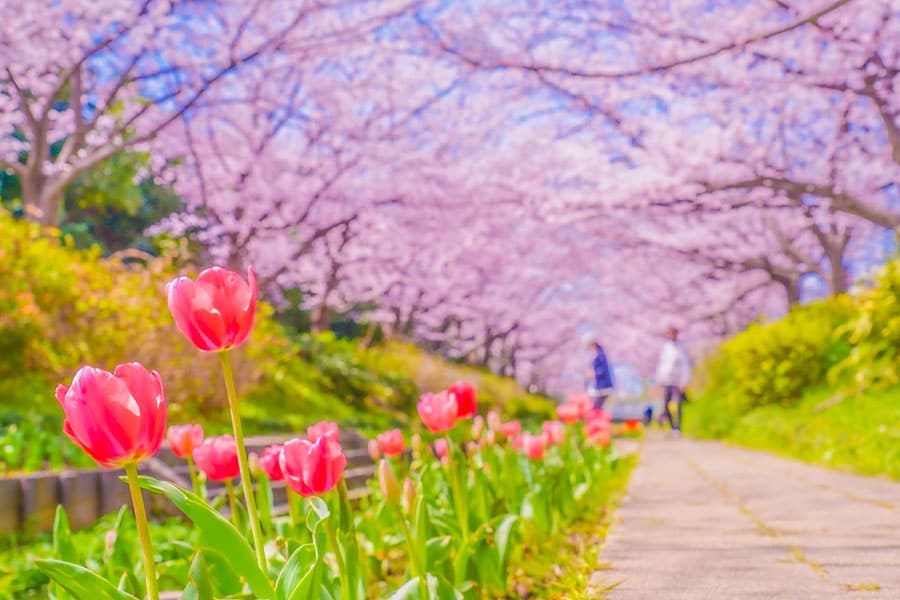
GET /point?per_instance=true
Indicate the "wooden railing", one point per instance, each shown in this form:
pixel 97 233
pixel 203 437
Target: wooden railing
pixel 28 502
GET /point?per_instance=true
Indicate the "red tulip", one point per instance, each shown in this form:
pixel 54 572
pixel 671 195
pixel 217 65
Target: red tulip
pixel 216 311
pixel 464 392
pixel 511 428
pixel 184 438
pixel 270 461
pixel 632 425
pixel 314 432
pixel 533 446
pixel 391 442
pixel 217 457
pixel 568 412
pixel 555 432
pixel 117 418
pixel 438 411
pixel 441 448
pixel 312 468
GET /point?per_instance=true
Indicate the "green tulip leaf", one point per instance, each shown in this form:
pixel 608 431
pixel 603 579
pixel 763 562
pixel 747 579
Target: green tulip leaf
pixel 215 532
pixel 81 582
pixel 63 549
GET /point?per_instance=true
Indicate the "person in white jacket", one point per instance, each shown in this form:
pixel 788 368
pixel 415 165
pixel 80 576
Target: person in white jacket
pixel 673 373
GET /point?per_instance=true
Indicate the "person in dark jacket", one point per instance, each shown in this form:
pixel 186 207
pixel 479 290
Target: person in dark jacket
pixel 603 381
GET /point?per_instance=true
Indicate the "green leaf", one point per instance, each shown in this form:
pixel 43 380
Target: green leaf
pixel 80 582
pixel 302 573
pixel 264 503
pixel 215 532
pixel 199 585
pixel 503 535
pixel 63 549
pixel 438 589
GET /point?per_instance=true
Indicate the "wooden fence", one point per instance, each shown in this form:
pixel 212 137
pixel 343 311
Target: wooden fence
pixel 28 502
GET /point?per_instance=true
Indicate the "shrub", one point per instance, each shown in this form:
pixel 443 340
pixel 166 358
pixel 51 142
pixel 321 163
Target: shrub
pixel 874 335
pixel 773 363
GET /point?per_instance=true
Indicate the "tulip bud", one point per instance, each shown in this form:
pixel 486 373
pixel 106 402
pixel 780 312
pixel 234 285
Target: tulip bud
pixel 390 487
pixel 374 451
pixel 490 437
pixel 471 448
pixel 493 420
pixel 110 539
pixel 409 494
pixel 477 427
pixel 253 464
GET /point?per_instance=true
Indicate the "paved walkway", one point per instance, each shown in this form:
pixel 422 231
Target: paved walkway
pixel 704 520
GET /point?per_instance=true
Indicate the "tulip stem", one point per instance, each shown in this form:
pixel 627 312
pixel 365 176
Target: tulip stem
pixel 293 508
pixel 456 491
pixel 415 561
pixel 331 530
pixel 232 503
pixel 246 481
pixel 195 479
pixel 140 517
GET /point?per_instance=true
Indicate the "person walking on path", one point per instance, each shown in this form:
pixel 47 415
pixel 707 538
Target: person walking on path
pixel 602 384
pixel 673 373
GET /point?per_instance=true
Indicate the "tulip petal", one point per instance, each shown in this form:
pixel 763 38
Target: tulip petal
pixel 102 414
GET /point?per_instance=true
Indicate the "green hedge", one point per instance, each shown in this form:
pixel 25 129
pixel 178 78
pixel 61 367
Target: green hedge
pixel 821 384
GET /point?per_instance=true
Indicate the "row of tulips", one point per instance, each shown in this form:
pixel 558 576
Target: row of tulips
pixel 470 495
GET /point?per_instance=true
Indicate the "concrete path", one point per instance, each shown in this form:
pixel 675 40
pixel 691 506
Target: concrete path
pixel 704 520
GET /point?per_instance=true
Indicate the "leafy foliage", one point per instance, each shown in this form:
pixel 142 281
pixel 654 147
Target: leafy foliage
pixel 874 335
pixel 819 384
pixel 773 363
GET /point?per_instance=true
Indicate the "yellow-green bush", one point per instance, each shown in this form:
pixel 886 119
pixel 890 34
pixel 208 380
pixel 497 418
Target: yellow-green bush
pixel 874 335
pixel 773 363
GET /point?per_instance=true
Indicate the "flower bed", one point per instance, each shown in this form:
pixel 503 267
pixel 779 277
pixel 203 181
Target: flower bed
pixel 473 489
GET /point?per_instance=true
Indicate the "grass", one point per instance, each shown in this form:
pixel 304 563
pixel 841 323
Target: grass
pixel 21 579
pixel 567 573
pixel 855 433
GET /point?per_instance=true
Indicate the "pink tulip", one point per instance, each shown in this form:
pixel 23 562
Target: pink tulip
pixel 216 311
pixel 441 448
pixel 118 418
pixel 594 426
pixel 493 421
pixel 555 432
pixel 511 428
pixel 598 414
pixel 533 446
pixel 438 411
pixel 568 412
pixel 314 432
pixel 270 461
pixel 464 392
pixel 599 438
pixel 313 468
pixel 184 438
pixel 217 457
pixel 374 450
pixel 391 442
pixel 477 427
